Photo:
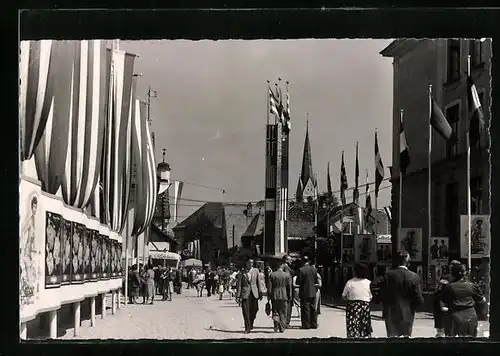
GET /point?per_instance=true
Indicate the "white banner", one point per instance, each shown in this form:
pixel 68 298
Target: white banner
pixel 410 240
pixel 480 236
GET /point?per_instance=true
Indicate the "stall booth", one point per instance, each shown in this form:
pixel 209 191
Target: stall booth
pixel 165 258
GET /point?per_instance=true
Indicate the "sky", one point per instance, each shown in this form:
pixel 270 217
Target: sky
pixel 210 110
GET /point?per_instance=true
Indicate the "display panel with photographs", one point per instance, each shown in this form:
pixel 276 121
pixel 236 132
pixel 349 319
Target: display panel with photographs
pixel 86 240
pixel 77 265
pixel 105 257
pixel 94 255
pixel 120 262
pixel 366 248
pixel 54 222
pixel 66 233
pixel 348 249
pixel 480 236
pixel 410 240
pixel 113 250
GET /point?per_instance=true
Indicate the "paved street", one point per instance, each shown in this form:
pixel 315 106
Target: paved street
pixel 190 317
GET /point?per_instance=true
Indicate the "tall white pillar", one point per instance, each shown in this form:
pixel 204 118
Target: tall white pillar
pixel 23 332
pixel 113 302
pixel 76 316
pixel 92 311
pixel 53 324
pixel 119 301
pixel 103 313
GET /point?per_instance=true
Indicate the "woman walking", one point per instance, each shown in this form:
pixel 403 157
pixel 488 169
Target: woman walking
pixel 149 284
pixel 439 324
pixel 358 295
pixel 459 300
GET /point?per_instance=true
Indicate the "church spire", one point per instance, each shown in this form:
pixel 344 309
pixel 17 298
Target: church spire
pixel 307 182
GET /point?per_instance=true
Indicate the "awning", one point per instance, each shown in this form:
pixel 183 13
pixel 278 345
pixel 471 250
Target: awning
pixel 383 239
pixel 193 262
pixel 164 255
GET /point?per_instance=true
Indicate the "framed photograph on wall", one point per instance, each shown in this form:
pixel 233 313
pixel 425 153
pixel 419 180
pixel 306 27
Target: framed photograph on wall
pixel 77 266
pixel 66 233
pixel 410 240
pixel 480 236
pixel 54 223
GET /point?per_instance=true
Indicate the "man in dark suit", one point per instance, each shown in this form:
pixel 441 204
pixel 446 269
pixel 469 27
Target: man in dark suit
pixel 248 294
pixel 401 294
pixel 280 292
pixel 307 280
pixel 286 265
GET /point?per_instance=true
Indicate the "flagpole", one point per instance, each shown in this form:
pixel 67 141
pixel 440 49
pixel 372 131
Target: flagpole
pixel 268 97
pixel 376 193
pixel 469 198
pixel 127 246
pixel 400 210
pixel 430 167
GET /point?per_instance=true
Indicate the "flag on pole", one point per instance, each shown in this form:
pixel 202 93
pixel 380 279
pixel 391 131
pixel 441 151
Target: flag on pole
pixel 404 154
pixel 287 111
pixel 440 123
pixel 356 179
pixel 329 183
pixel 273 103
pixel 388 212
pixel 368 202
pixel 343 181
pixel 477 119
pixel 177 194
pixel 379 168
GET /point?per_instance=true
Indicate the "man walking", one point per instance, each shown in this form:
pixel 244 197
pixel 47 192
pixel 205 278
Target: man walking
pixel 249 294
pixel 279 293
pixel 287 268
pixel 401 294
pixel 307 280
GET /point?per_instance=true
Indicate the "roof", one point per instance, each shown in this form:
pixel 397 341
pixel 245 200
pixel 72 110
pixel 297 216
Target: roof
pixel 159 236
pixel 399 48
pixel 256 226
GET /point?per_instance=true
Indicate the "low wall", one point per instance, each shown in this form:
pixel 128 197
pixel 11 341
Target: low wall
pixel 65 255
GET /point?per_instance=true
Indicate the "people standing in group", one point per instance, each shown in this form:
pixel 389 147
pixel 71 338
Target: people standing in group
pixel 209 281
pixel 459 300
pixel 308 284
pixel 439 322
pixel 287 268
pixel 358 294
pixel 149 290
pixel 279 293
pixel 401 294
pixel 167 279
pixel 249 294
pixel 157 272
pixel 191 277
pixel 199 283
pixel 144 278
pixel 134 284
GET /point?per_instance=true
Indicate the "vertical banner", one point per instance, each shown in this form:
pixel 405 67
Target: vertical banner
pixel 365 248
pixel 94 255
pixel 410 240
pixel 53 250
pixel 480 236
pixel 30 243
pixel 77 266
pixel 101 248
pixel 66 251
pixel 86 240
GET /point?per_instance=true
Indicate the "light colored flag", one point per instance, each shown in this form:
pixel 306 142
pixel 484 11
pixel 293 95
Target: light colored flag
pixel 177 194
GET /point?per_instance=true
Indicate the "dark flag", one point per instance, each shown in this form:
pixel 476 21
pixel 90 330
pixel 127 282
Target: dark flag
pixel 343 181
pixel 379 168
pixel 404 154
pixel 356 179
pixel 477 118
pixel 329 183
pixel 368 202
pixel 440 123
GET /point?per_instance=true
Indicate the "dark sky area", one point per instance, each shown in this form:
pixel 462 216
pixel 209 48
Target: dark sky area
pixel 210 113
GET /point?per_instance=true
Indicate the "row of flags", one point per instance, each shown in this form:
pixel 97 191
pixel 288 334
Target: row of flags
pixel 276 106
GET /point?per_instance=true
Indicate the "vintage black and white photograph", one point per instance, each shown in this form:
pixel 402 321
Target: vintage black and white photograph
pixel 54 224
pixel 265 189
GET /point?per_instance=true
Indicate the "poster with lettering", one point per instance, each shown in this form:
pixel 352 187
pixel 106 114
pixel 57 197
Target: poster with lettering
pixel 114 267
pixel 53 250
pixel 66 251
pixel 100 256
pixel 94 255
pixel 410 240
pixel 365 248
pixel 120 260
pixel 86 239
pixel 106 258
pixel 480 236
pixel 77 265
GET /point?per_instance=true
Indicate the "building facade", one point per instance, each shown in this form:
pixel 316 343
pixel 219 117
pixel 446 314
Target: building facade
pixel 443 64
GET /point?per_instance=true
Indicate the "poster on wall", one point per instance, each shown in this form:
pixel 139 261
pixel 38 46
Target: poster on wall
pixel 54 223
pixel 66 233
pixel 94 256
pixel 86 240
pixel 120 260
pixel 438 250
pixel 365 248
pixel 30 243
pixel 410 240
pixel 114 267
pixel 384 249
pixel 105 257
pixel 480 236
pixel 348 249
pixel 77 267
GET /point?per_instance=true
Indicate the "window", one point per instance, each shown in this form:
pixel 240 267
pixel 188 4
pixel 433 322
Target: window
pixel 476 196
pixel 475 51
pixel 453 117
pixel 453 60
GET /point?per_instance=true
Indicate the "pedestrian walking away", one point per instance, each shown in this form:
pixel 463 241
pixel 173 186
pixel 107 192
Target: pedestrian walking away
pixel 249 294
pixel 287 267
pixel 279 293
pixel 358 295
pixel 308 282
pixel 401 294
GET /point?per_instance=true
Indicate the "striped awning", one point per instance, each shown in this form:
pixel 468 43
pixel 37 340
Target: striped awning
pixel 164 255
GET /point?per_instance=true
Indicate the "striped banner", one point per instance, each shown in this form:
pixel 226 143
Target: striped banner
pixel 177 194
pixel 149 172
pixel 51 152
pixel 89 100
pixel 116 170
pixel 35 93
pixel 139 160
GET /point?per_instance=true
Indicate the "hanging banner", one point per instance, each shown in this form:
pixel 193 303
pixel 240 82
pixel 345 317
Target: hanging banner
pixel 77 267
pixel 410 240
pixel 94 255
pixel 365 248
pixel 54 223
pixel 480 236
pixel 66 251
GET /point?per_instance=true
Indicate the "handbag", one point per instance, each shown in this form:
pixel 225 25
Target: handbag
pixel 268 308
